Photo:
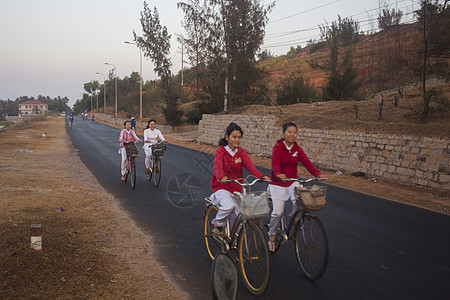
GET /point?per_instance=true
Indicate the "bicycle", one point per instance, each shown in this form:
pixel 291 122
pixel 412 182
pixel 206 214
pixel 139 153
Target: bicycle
pixel 306 230
pixel 246 237
pixel 132 153
pixel 157 153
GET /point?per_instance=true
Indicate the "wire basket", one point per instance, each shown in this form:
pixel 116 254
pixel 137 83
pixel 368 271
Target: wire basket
pixel 311 197
pixel 158 150
pixel 253 205
pixel 131 149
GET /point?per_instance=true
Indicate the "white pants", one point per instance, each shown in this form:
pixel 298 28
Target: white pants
pixel 148 155
pixel 280 195
pixel 228 209
pixel 123 165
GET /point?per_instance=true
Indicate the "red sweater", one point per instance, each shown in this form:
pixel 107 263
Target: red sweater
pixel 231 166
pixel 285 162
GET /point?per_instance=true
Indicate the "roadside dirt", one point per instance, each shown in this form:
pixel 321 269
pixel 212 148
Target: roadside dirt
pixel 91 247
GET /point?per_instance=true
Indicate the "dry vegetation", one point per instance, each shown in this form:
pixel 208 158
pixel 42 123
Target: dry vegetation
pixel 340 115
pixel 91 249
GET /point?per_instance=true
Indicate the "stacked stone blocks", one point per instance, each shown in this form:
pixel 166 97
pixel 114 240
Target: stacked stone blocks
pixel 422 161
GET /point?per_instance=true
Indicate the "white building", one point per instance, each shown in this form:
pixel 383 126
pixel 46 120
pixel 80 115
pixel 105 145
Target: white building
pixel 32 108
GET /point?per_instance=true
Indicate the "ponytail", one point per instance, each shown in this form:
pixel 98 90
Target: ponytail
pixel 223 142
pixel 232 127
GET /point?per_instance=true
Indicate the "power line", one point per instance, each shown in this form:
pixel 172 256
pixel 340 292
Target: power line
pixel 305 11
pixel 286 43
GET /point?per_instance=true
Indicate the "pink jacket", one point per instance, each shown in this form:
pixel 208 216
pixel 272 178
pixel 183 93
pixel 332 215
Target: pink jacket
pixel 128 137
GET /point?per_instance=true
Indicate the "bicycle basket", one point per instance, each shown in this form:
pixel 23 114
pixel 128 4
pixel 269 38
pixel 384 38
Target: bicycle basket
pixel 131 149
pixel 253 205
pixel 158 150
pixel 311 197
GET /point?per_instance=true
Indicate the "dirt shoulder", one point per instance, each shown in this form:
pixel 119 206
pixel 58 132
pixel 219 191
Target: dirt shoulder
pixel 91 248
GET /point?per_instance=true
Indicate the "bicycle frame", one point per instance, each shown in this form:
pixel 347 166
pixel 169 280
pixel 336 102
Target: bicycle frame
pixel 230 240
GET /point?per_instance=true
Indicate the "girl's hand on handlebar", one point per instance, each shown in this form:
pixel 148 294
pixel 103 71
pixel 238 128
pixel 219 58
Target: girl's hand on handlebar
pixel 266 178
pixel 120 141
pixel 224 178
pixel 281 176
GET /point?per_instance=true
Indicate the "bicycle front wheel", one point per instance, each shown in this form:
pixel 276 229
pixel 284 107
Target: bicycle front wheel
pixel 311 246
pixel 157 171
pixel 254 258
pixel 133 173
pixel 212 244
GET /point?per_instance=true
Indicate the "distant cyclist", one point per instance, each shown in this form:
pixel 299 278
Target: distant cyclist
pixel 151 136
pixel 126 135
pixel 71 121
pixel 133 124
pixel 93 117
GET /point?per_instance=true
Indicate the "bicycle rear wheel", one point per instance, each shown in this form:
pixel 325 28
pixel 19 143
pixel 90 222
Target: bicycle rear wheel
pixel 157 170
pixel 311 246
pixel 133 173
pixel 212 244
pixel 254 258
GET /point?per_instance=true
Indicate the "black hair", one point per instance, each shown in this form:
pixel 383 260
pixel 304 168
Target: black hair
pixel 125 123
pixel 232 127
pixel 288 124
pixel 149 121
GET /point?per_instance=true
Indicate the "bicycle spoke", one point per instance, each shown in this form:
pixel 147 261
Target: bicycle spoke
pixel 254 259
pixel 311 247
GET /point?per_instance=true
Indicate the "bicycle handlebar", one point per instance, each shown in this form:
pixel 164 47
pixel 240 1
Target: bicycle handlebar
pixel 246 183
pixel 304 180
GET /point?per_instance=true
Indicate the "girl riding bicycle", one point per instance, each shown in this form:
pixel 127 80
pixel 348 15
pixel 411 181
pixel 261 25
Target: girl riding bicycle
pixel 151 136
pixel 126 135
pixel 286 155
pixel 228 162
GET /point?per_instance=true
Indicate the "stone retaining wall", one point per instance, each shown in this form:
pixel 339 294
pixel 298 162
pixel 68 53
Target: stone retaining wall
pixel 422 161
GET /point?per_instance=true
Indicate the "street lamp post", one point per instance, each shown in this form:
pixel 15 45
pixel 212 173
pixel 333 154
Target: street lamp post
pixel 140 75
pixel 104 92
pixel 115 83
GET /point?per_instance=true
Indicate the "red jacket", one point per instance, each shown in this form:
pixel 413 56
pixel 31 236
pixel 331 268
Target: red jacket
pixel 231 166
pixel 285 162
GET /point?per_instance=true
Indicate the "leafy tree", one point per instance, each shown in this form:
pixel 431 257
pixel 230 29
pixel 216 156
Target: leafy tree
pixel 294 50
pixel 342 77
pixel 388 18
pixel 265 54
pixel 346 30
pixel 433 23
pixel 195 42
pixel 295 89
pixel 155 43
pixel 234 32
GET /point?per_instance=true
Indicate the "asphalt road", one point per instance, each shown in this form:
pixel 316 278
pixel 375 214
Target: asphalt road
pixel 378 249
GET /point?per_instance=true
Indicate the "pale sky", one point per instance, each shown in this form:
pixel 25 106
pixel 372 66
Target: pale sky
pixel 53 47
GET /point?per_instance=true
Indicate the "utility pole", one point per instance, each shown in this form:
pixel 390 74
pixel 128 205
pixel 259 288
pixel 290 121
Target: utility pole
pixel 182 69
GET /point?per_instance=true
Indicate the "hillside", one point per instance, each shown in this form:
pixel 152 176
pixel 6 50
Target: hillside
pixel 372 54
pixel 340 115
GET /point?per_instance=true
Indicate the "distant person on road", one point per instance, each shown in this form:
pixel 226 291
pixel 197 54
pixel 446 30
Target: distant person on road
pixel 71 120
pixel 151 137
pixel 93 117
pixel 133 124
pixel 286 155
pixel 228 162
pixel 126 135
